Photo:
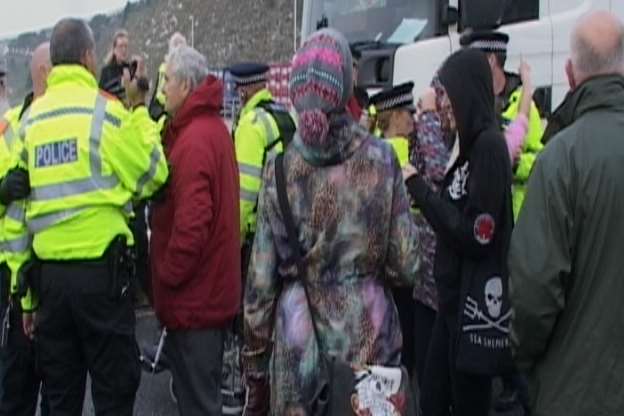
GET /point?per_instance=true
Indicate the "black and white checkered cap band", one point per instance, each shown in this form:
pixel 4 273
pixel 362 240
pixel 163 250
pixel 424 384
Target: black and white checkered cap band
pixel 251 79
pixel 400 101
pixel 489 45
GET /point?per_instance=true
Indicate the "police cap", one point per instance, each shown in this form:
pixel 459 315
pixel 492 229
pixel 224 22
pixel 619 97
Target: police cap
pixel 399 96
pixel 487 41
pixel 249 73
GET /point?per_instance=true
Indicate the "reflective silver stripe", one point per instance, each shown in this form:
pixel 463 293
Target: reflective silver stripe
pixel 16 212
pixel 95 155
pixel 97 181
pixel 248 196
pixel 43 222
pixel 112 119
pixel 18 245
pixel 149 175
pixel 265 119
pixel 60 112
pixel 250 170
pixel 65 189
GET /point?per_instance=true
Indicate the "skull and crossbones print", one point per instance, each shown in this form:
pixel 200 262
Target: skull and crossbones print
pixel 457 188
pixel 494 303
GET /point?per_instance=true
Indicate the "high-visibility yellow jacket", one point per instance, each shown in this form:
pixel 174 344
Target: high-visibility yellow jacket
pixel 14 235
pixel 531 148
pixel 87 159
pixel 401 148
pixel 8 135
pixel 255 138
pixel 372 116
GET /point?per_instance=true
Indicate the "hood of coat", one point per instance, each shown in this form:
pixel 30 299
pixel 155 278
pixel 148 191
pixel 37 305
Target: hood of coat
pixel 320 87
pixel 207 98
pixel 467 79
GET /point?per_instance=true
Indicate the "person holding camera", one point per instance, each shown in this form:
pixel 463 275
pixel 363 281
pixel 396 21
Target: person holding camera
pixel 115 64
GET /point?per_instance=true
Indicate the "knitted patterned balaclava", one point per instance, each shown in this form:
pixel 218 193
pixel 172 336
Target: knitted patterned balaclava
pixel 320 84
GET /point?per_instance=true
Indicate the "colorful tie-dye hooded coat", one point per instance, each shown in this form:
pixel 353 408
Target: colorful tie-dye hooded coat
pixel 352 213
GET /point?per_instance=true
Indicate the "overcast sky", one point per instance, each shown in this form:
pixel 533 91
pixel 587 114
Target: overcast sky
pixel 17 16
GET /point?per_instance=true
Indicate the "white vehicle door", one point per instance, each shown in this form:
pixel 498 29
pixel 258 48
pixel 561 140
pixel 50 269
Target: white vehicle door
pixel 564 15
pixel 617 7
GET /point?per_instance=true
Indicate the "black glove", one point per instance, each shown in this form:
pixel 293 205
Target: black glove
pixel 418 189
pixel 14 186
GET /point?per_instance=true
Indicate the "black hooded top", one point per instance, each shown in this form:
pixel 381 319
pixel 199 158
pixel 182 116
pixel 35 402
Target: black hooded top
pixel 472 215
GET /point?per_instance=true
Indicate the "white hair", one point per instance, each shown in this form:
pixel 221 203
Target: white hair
pixel 188 65
pixel 176 40
pixel 591 60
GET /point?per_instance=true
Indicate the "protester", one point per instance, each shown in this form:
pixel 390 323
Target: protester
pixel 353 221
pixel 522 125
pixel 430 150
pixel 89 158
pixel 473 221
pixel 20 379
pixel 114 65
pixel 195 242
pixel 565 260
pixel 157 103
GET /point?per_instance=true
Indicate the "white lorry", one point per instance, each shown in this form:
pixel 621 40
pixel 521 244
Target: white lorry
pixel 407 40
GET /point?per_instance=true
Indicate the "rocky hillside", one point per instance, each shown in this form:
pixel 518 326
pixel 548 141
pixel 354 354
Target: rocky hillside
pixel 225 31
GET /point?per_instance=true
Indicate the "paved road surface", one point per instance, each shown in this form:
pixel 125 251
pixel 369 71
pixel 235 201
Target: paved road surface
pixel 153 398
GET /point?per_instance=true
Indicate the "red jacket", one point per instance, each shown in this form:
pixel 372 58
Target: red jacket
pixel 195 247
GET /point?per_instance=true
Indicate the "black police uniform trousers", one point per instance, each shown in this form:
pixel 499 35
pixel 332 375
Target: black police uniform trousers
pixel 82 327
pixel 19 378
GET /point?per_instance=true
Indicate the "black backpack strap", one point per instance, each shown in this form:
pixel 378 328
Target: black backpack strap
pixel 293 239
pixel 285 124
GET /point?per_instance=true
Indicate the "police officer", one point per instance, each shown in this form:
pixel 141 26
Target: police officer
pixel 508 89
pixel 394 118
pixel 19 378
pixel 263 127
pixel 88 158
